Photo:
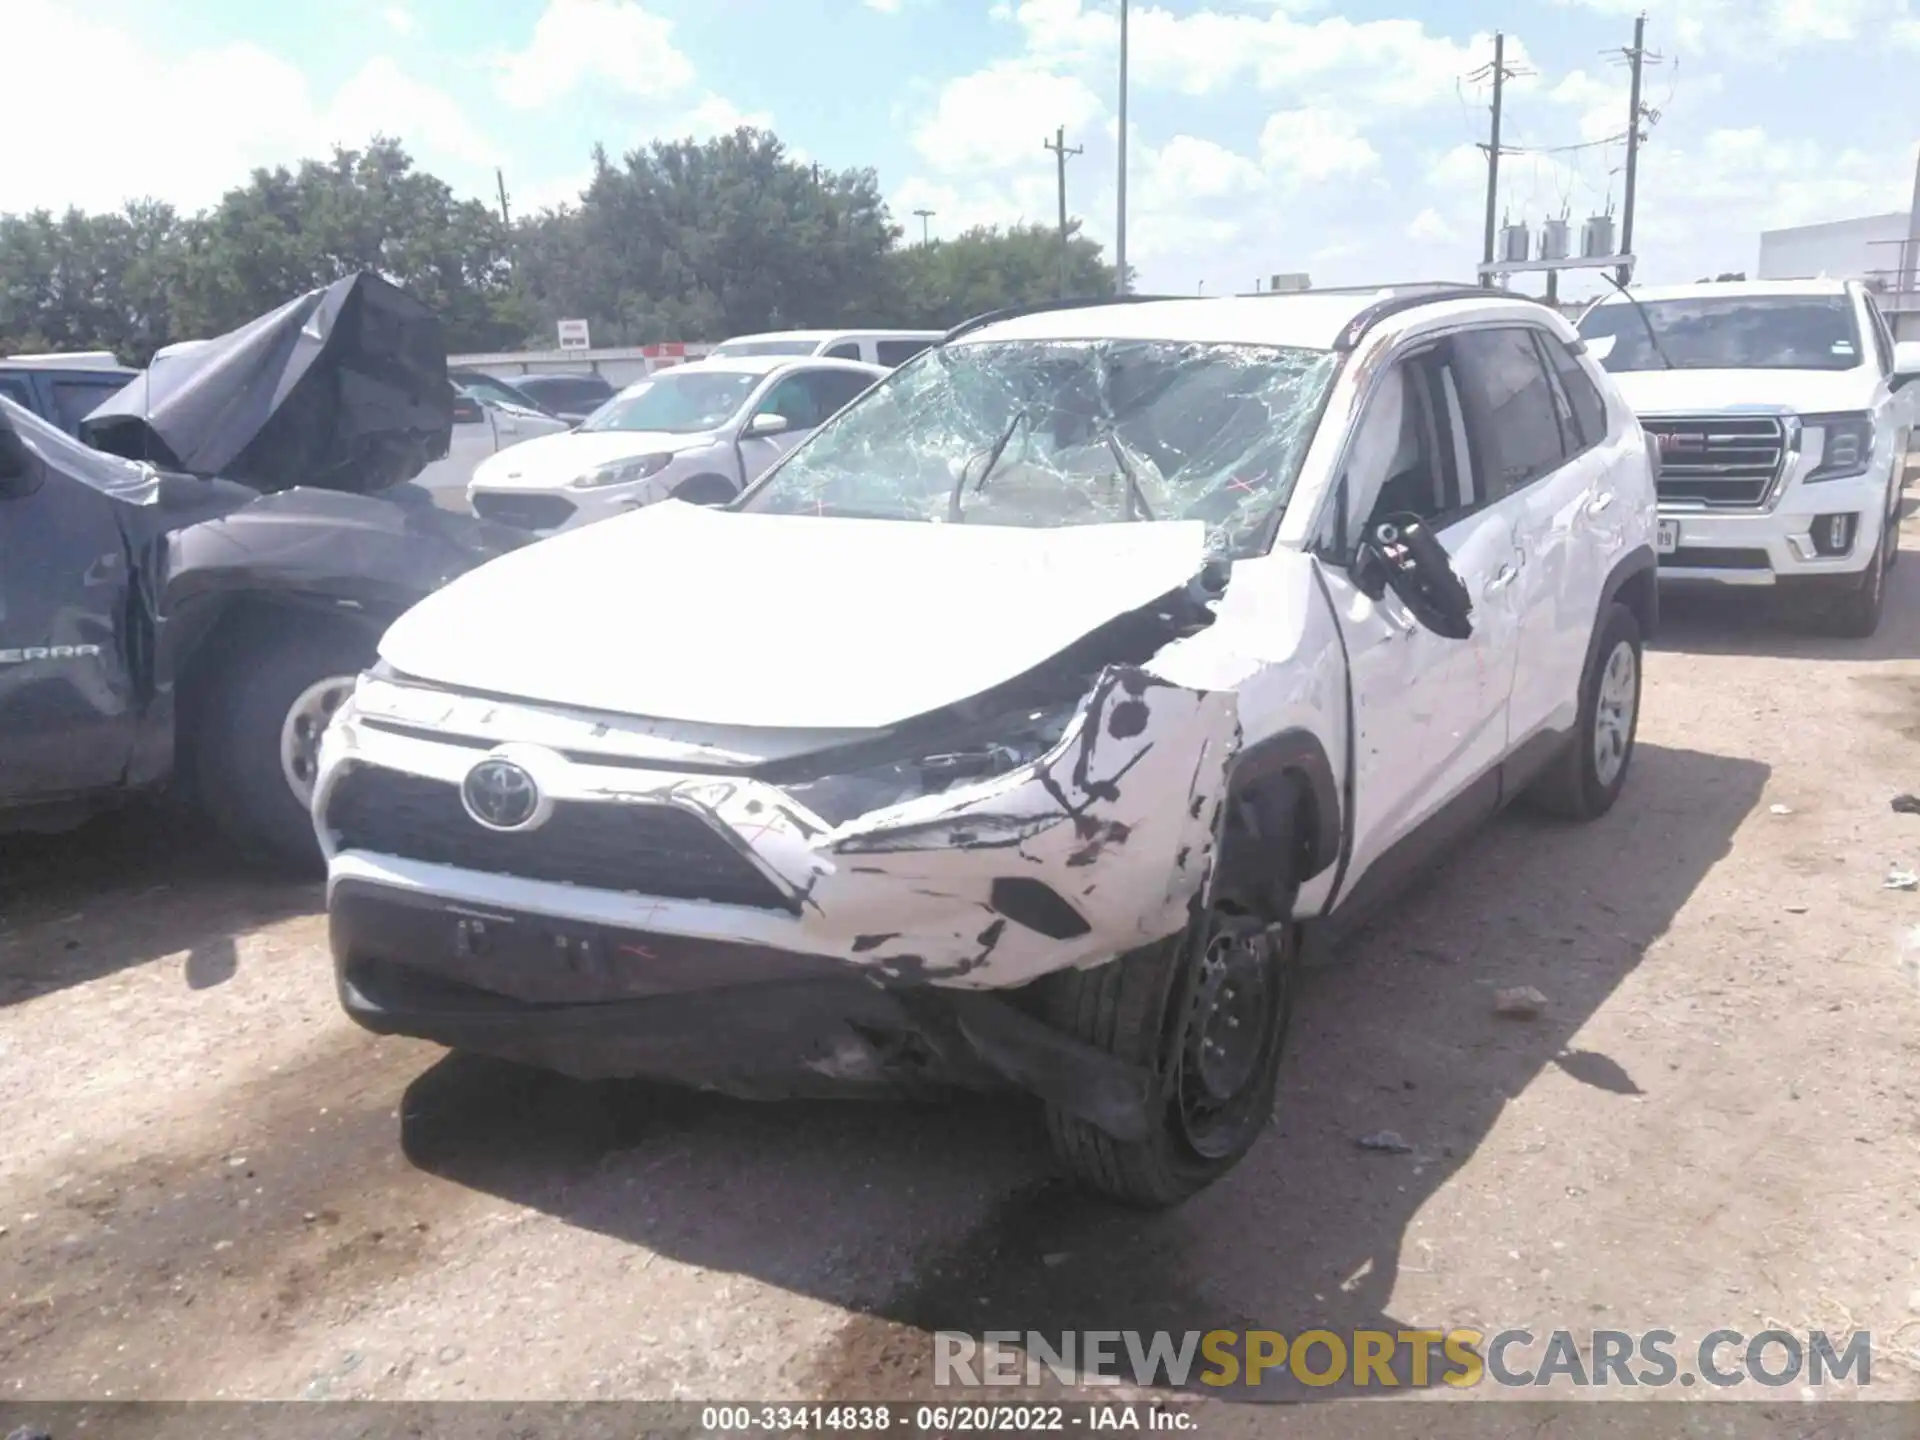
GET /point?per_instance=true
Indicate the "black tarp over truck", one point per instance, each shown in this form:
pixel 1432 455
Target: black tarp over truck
pixel 187 595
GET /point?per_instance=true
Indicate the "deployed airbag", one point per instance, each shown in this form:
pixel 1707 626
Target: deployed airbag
pixel 344 388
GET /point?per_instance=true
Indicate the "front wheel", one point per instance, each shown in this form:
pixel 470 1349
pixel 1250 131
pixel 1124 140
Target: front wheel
pixel 1207 1012
pixel 257 740
pixel 1587 778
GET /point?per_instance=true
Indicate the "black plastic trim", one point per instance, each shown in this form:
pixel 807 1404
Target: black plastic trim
pixel 1298 752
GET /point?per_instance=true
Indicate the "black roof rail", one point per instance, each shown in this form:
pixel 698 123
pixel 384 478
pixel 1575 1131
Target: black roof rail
pixel 1041 307
pixel 1412 299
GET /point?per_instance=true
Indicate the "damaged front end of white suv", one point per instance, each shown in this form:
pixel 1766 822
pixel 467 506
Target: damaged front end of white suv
pixel 831 793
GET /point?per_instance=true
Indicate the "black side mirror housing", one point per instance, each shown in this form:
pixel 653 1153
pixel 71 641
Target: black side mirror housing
pixel 1399 553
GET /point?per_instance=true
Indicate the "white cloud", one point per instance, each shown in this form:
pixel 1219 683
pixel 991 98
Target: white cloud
pixel 618 44
pixel 400 20
pixel 1000 116
pixel 1431 226
pixel 885 7
pixel 189 151
pixel 1306 147
pixel 717 115
pixel 1756 29
pixel 1188 169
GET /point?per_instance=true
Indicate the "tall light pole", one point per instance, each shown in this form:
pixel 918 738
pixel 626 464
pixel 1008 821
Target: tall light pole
pixel 1120 184
pixel 925 215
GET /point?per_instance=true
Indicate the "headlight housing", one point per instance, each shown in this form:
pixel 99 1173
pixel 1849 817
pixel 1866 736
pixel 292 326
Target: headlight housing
pixel 622 472
pixel 1846 445
pixel 981 753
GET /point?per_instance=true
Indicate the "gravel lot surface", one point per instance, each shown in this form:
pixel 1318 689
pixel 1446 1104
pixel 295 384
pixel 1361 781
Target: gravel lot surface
pixel 211 1184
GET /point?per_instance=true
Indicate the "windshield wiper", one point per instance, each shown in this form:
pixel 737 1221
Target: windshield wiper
pixel 1641 311
pixel 994 452
pixel 1135 495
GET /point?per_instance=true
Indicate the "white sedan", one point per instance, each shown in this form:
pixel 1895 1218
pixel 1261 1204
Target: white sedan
pixel 700 432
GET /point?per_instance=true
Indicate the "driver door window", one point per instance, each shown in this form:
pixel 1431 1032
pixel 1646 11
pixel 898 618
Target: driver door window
pixel 792 398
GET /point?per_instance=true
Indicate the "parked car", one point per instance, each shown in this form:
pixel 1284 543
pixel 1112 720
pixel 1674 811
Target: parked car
pixel 493 390
pixel 481 429
pixel 1092 659
pixel 1784 427
pixel 189 595
pixel 572 397
pixel 63 389
pixel 872 347
pixel 698 432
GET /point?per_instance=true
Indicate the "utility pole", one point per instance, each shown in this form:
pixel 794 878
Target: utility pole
pixel 1493 155
pixel 1637 58
pixel 925 215
pixel 1058 145
pixel 1120 186
pixel 500 179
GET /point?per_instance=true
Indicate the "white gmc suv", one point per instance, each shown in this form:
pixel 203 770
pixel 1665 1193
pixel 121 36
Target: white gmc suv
pixel 1782 416
pixel 1019 725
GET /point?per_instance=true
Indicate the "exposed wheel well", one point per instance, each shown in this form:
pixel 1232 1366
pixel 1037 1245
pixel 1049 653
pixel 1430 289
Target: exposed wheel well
pixel 1271 840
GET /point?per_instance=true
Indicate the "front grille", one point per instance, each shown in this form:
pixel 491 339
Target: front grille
pixel 1716 557
pixel 524 512
pixel 643 848
pixel 1722 462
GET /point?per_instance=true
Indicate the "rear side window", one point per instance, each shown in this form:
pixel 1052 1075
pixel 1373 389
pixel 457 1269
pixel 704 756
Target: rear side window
pixel 845 350
pixel 1589 419
pixel 75 399
pixel 898 352
pixel 833 390
pixel 1510 409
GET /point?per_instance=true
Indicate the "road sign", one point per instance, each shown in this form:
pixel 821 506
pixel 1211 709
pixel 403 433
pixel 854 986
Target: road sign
pixel 573 335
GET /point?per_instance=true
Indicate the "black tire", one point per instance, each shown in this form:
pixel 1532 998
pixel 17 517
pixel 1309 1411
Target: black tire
pixel 1854 613
pixel 1138 1008
pixel 1573 788
pixel 238 773
pixel 706 490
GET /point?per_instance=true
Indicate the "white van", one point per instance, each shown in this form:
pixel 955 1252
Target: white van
pixel 874 347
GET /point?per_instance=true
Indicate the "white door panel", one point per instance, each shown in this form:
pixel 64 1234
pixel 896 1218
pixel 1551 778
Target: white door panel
pixel 1558 590
pixel 1430 714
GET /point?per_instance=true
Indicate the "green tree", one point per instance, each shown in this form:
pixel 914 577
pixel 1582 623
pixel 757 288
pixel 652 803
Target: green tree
pixel 986 268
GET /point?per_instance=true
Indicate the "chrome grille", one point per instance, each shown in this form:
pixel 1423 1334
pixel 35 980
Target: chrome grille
pixel 1720 462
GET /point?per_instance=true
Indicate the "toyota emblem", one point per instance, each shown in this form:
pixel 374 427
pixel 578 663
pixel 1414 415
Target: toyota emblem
pixel 500 795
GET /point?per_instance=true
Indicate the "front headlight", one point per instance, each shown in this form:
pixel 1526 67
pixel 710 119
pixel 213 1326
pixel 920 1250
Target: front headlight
pixel 622 472
pixel 984 752
pixel 1846 445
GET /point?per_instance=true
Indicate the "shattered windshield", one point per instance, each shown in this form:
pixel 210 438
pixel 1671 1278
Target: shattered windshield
pixel 680 402
pixel 1783 332
pixel 1078 432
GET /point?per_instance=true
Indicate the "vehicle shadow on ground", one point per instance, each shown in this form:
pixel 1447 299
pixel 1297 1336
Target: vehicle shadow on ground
pixel 925 1220
pixel 126 888
pixel 1758 622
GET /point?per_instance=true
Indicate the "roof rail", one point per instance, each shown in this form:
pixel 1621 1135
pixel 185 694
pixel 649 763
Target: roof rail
pixel 67 360
pixel 1411 298
pixel 1041 307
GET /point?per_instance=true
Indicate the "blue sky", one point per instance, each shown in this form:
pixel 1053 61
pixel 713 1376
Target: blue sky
pixel 1266 135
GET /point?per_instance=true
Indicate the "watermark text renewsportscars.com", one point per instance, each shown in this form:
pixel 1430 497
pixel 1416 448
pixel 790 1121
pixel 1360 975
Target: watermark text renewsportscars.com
pixel 1393 1359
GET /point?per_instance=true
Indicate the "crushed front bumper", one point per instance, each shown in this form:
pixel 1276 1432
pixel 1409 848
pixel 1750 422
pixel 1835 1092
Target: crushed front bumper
pixel 669 920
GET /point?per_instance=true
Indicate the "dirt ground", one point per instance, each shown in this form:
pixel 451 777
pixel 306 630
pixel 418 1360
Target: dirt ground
pixel 212 1185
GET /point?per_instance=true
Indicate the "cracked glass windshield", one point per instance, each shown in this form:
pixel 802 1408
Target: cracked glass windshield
pixel 1078 432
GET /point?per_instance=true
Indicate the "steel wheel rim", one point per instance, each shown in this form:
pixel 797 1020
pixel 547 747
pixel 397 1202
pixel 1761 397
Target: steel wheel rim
pixel 1614 713
pixel 307 720
pixel 1233 1010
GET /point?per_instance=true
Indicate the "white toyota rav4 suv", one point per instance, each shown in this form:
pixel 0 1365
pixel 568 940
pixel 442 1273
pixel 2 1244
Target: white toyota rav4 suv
pixel 1015 726
pixel 1782 417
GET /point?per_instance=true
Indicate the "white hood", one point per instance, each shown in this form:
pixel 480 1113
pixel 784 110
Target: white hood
pixel 549 462
pixel 1695 392
pixel 686 613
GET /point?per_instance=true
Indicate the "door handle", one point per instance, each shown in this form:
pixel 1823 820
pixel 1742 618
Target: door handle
pixel 1502 578
pixel 1605 502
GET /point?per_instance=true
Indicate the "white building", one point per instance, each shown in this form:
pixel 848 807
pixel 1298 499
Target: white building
pixel 1874 248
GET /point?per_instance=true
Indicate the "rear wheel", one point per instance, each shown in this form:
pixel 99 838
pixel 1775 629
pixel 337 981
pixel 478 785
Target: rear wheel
pixel 257 734
pixel 1587 778
pixel 1207 1012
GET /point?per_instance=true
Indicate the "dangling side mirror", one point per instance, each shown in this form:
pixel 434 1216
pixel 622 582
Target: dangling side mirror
pixel 1400 554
